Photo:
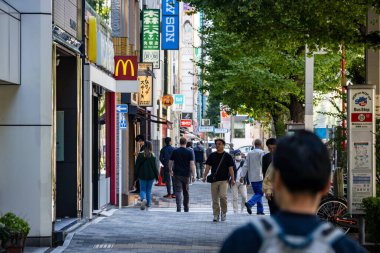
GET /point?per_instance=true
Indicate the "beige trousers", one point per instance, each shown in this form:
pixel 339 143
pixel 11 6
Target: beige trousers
pixel 236 189
pixel 219 197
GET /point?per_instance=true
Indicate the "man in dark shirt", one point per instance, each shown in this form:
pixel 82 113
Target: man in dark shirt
pixel 140 141
pixel 165 155
pixel 267 159
pixel 302 177
pixel 222 168
pixel 200 158
pixel 184 167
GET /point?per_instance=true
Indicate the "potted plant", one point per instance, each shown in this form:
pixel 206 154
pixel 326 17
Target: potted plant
pixel 3 235
pixel 16 230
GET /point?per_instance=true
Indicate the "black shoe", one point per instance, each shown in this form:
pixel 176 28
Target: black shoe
pixel 249 209
pixel 135 191
pixel 186 210
pixel 260 214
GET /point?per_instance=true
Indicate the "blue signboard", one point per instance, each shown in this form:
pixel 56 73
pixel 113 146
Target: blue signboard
pixel 170 33
pixel 179 99
pixel 122 108
pixel 170 8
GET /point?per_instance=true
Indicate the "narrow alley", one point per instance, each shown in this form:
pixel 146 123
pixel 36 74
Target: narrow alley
pixel 161 229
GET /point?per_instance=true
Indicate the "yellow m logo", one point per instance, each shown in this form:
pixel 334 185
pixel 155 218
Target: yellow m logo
pixel 125 65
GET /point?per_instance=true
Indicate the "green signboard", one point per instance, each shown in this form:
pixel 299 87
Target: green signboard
pixel 151 29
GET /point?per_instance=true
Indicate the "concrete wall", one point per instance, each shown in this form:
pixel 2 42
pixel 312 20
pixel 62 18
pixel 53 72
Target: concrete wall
pixel 25 125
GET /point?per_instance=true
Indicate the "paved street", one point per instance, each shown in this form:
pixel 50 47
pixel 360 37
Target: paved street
pixel 161 229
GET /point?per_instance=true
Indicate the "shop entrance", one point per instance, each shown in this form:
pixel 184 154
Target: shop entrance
pixel 66 135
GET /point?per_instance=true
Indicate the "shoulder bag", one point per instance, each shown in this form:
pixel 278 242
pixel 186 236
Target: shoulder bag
pixel 212 178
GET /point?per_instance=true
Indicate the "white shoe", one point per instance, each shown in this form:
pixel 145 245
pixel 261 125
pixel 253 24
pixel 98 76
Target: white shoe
pixel 224 217
pixel 216 218
pixel 143 204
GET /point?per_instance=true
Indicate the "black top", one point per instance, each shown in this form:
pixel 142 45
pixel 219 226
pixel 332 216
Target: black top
pixel 199 154
pixel 247 239
pixel 214 159
pixel 182 157
pixel 267 159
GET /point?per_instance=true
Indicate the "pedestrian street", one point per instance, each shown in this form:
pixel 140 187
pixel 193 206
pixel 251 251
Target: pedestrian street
pixel 161 228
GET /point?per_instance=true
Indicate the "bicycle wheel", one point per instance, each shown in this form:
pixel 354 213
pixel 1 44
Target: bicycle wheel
pixel 335 210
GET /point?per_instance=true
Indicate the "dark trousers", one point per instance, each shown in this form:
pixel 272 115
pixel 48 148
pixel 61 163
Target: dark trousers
pixel 181 184
pixel 168 180
pixel 273 207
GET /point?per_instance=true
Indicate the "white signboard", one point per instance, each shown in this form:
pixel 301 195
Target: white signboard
pixel 361 149
pixel 206 129
pixel 152 56
pixel 221 130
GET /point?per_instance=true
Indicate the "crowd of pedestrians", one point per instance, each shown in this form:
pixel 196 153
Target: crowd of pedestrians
pixel 293 175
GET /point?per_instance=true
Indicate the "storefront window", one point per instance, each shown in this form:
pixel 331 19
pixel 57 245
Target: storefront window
pixel 239 130
pixel 102 135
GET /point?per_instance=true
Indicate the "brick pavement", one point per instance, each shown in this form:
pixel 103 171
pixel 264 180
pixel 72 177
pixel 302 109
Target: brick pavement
pixel 161 229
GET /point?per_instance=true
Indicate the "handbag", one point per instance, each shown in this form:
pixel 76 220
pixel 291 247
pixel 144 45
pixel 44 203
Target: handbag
pixel 212 178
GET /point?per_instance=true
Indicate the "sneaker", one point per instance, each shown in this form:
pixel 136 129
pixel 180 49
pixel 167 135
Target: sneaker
pixel 249 209
pixel 224 217
pixel 147 208
pixel 168 196
pixel 143 204
pixel 260 214
pixel 216 218
pixel 173 196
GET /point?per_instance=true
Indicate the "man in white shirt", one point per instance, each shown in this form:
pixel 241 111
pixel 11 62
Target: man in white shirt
pixel 253 165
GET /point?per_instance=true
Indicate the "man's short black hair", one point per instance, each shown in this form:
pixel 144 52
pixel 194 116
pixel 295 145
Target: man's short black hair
pixel 168 140
pixel 271 141
pixel 182 141
pixel 220 139
pixel 303 162
pixel 189 144
pixel 140 137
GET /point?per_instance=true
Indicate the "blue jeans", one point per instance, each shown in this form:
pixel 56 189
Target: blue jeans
pixel 146 190
pixel 257 188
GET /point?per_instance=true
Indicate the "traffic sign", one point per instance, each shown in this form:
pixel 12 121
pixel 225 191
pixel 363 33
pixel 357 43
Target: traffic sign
pixel 206 129
pixel 122 108
pixel 123 124
pixel 221 130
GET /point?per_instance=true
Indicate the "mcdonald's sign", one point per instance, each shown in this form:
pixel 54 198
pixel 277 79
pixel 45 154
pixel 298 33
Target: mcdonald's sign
pixel 126 68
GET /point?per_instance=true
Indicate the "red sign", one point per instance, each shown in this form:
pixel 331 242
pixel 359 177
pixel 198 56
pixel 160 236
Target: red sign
pixel 361 117
pixel 185 123
pixel 126 68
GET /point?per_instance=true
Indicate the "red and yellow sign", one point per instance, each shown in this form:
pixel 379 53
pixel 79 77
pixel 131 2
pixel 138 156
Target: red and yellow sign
pixel 126 68
pixel 167 100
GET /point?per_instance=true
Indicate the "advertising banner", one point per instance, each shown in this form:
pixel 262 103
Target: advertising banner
pixel 145 80
pixel 185 123
pixel 151 36
pixel 170 33
pixel 170 25
pixel 179 102
pixel 361 145
pixel 125 68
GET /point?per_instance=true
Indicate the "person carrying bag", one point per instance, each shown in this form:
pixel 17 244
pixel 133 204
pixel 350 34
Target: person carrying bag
pixel 221 165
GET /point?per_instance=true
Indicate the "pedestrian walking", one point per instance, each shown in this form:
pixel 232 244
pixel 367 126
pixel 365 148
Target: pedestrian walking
pixel 146 172
pixel 200 158
pixel 182 167
pixel 222 168
pixel 238 187
pixel 165 154
pixel 140 142
pixel 301 177
pixel 189 146
pixel 253 165
pixel 268 189
pixel 268 176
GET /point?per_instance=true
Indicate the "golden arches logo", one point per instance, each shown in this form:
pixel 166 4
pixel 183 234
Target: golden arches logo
pixel 125 64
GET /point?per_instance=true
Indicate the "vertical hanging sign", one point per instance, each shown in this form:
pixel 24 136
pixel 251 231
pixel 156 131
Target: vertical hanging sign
pixel 151 36
pixel 170 25
pixel 361 145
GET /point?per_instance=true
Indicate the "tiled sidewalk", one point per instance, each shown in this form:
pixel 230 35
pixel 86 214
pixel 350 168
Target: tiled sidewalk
pixel 161 229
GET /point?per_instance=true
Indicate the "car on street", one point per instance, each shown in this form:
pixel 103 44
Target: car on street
pixel 244 150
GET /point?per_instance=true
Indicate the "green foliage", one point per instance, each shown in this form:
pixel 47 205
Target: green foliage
pixel 101 8
pixel 372 216
pixel 213 111
pixel 15 224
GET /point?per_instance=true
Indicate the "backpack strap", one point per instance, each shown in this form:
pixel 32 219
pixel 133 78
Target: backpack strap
pixel 266 227
pixel 328 233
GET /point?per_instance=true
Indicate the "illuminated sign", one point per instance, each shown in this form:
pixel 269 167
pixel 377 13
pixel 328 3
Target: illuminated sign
pixel 170 25
pixel 145 84
pixel 125 68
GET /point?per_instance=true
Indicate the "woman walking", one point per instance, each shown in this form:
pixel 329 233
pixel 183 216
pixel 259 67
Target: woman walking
pixel 146 172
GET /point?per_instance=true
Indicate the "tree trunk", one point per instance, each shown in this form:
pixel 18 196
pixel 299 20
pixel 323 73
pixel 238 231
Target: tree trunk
pixel 296 109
